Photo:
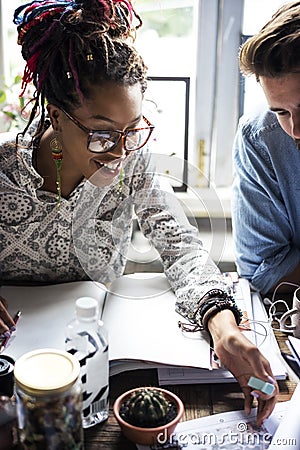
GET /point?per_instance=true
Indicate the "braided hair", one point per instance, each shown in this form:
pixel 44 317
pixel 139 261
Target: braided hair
pixel 72 45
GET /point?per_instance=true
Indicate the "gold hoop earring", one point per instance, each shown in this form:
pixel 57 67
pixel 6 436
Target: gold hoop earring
pixel 57 155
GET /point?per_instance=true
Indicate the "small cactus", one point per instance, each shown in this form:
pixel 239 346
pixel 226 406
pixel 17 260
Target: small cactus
pixel 148 408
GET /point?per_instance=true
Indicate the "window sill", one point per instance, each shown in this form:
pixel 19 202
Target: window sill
pixel 206 202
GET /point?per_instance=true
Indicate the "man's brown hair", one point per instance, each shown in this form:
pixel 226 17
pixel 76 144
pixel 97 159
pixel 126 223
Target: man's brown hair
pixel 275 50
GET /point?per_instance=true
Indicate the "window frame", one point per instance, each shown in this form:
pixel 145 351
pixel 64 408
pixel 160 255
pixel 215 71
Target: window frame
pixel 217 88
pixel 186 81
pixel 2 51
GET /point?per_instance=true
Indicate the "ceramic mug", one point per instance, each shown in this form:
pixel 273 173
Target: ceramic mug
pixel 292 316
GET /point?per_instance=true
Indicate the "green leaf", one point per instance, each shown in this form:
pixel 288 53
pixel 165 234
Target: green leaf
pixel 17 79
pixel 10 114
pixel 2 96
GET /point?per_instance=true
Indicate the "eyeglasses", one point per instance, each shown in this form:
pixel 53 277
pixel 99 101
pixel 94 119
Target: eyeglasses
pixel 103 141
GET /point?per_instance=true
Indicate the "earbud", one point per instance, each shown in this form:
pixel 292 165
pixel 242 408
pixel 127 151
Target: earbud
pixel 267 301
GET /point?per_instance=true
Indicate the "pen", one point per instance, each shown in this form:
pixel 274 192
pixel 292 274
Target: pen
pixel 4 343
pixel 17 317
pixel 292 362
pixel 12 329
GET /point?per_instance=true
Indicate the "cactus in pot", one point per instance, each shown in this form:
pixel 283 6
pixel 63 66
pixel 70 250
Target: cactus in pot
pixel 148 407
pixel 146 414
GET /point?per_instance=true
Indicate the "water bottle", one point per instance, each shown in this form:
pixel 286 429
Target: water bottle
pixel 86 339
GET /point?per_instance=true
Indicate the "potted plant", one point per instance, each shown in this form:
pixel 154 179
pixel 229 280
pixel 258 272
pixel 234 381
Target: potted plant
pixel 148 415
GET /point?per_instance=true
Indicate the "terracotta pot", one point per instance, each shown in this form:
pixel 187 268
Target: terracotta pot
pixel 148 436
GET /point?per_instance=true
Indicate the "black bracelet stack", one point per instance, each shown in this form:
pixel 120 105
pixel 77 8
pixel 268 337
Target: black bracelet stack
pixel 215 301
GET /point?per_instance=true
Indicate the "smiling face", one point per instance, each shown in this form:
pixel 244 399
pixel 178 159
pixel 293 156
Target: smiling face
pixel 283 96
pixel 110 106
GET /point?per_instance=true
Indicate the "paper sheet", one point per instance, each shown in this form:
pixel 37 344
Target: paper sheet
pixel 226 431
pixel 287 435
pixel 45 313
pixel 143 324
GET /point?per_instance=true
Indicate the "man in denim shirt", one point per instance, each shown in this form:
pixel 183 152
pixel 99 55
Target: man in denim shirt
pixel 266 215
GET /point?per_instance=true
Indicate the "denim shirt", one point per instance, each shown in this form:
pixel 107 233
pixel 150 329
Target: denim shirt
pixel 266 201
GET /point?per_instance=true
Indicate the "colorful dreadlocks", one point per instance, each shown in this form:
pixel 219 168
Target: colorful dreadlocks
pixel 72 45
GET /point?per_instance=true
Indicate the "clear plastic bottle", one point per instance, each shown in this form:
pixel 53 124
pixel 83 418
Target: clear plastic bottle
pixel 86 339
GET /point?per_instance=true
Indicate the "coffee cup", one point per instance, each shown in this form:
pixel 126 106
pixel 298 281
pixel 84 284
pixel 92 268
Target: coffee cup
pixel 290 320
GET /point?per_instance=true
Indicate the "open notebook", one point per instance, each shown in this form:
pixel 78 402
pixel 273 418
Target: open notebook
pixel 138 311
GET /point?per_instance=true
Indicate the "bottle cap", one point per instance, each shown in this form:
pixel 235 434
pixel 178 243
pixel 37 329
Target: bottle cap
pixel 46 371
pixel 87 307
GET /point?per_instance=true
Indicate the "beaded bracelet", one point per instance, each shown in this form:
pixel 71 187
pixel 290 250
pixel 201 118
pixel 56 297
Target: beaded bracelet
pixel 213 302
pixel 212 307
pixel 210 304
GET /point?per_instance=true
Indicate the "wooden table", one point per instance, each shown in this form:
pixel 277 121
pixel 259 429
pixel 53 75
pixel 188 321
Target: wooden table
pixel 199 400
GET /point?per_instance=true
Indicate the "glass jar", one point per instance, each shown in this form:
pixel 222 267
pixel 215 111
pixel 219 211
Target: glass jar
pixel 8 424
pixel 8 415
pixel 49 400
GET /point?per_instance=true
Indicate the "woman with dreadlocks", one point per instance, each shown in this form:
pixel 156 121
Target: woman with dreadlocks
pixel 75 176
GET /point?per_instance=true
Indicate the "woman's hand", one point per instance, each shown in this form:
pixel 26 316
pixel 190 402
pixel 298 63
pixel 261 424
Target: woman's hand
pixel 244 360
pixel 6 321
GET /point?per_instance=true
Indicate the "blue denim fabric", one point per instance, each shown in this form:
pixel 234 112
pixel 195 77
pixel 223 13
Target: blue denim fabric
pixel 266 201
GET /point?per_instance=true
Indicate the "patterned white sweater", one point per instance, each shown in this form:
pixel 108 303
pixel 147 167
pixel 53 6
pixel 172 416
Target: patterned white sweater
pixel 88 235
